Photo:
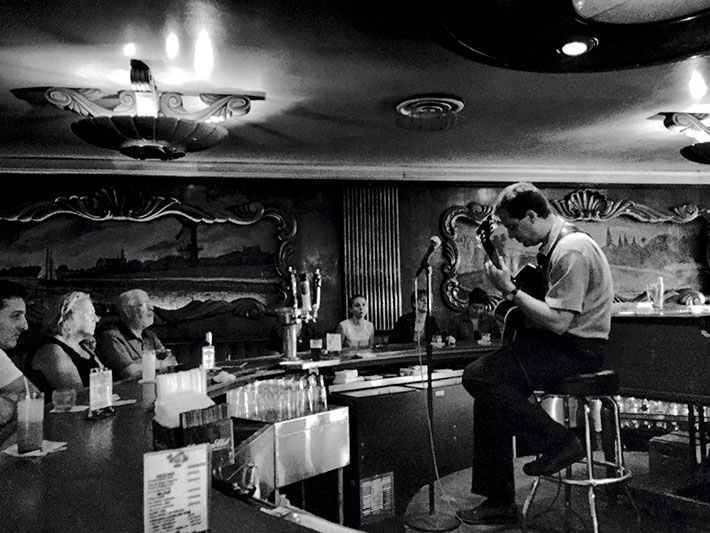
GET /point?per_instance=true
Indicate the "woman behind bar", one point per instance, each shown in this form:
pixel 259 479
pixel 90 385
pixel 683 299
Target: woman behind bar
pixel 357 331
pixel 476 321
pixel 410 327
pixel 65 357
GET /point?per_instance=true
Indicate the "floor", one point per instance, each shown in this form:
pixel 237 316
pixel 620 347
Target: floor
pixel 661 509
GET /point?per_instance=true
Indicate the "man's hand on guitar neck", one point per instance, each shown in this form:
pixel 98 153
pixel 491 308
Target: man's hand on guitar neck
pixel 500 276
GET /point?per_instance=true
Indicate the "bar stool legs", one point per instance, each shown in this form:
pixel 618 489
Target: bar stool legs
pixel 616 471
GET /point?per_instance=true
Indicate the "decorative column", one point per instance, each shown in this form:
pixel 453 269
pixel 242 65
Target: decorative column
pixel 371 249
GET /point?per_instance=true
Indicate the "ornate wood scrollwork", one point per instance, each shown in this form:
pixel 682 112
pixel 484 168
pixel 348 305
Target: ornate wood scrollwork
pixel 131 204
pixel 579 205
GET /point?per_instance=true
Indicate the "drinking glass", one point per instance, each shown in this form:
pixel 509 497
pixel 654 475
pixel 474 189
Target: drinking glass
pixel 148 365
pixel 63 399
pixel 30 420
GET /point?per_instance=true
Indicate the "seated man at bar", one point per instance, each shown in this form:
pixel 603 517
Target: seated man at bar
pixel 477 320
pixel 120 347
pixel 410 327
pixel 567 335
pixel 13 383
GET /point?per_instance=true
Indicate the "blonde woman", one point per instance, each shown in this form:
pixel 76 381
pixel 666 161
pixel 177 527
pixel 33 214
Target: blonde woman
pixel 65 358
pixel 357 330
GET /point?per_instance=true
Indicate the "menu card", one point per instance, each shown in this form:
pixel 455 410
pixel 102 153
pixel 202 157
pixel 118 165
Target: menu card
pixel 176 490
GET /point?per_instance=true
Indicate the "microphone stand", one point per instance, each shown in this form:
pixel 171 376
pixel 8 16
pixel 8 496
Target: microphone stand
pixel 433 520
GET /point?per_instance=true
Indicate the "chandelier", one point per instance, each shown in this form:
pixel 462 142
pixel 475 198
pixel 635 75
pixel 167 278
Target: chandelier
pixel 692 125
pixel 146 123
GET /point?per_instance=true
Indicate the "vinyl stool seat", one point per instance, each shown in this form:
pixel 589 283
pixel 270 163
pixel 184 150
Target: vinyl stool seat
pixel 602 383
pixel 585 388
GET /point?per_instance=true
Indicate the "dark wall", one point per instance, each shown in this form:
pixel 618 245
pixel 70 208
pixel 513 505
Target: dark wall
pixel 421 207
pixel 316 206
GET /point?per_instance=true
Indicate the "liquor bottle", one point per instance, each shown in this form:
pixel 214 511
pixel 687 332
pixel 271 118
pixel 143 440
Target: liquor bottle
pixel 208 352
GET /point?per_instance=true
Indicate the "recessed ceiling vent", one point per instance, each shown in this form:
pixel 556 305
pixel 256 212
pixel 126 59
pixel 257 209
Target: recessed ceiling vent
pixel 429 112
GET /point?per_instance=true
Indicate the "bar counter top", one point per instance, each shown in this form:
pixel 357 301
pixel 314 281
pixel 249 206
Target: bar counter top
pixel 96 484
pixel 635 310
pixel 463 351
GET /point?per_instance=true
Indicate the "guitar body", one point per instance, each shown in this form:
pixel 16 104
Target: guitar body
pixel 510 320
pixel 529 279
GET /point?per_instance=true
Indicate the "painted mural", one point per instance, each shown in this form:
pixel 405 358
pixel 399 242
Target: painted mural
pixel 640 243
pixel 216 263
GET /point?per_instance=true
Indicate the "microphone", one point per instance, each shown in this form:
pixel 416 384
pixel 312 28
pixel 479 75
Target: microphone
pixel 434 243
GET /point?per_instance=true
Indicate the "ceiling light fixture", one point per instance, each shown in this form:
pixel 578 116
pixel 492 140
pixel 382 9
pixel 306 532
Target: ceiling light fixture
pixel 525 35
pixel 690 124
pixel 145 123
pixel 577 47
pixel 429 112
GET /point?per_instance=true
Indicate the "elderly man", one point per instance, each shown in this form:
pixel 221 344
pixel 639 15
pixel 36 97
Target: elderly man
pixel 12 324
pixel 121 347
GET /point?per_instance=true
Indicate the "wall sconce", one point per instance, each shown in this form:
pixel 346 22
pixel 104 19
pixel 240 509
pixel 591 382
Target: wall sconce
pixel 691 124
pixel 147 123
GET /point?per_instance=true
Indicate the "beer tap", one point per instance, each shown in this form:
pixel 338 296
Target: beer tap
pixel 304 309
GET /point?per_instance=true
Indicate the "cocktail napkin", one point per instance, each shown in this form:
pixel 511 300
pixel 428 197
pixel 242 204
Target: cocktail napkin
pixel 116 403
pixel 74 409
pixel 48 446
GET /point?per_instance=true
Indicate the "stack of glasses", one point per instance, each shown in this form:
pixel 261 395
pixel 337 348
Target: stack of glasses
pixel 279 399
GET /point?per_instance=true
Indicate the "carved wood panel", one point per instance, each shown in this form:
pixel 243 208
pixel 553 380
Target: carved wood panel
pixel 457 227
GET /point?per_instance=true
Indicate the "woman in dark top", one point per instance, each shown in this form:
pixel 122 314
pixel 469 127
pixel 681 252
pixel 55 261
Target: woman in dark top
pixel 66 357
pixel 411 327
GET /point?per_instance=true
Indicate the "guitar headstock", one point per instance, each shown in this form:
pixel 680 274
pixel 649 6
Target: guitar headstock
pixel 484 231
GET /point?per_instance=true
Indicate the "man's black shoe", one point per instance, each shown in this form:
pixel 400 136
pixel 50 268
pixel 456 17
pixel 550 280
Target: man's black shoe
pixel 546 465
pixel 489 514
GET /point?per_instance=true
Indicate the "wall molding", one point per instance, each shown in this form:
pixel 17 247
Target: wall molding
pixel 451 172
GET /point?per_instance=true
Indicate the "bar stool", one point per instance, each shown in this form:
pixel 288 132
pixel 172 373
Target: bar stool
pixel 584 388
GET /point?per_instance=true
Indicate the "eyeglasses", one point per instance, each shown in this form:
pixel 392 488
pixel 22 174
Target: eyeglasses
pixel 145 305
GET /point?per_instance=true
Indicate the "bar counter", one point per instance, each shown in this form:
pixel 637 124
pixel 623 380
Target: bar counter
pixel 96 484
pixel 392 356
pixel 662 354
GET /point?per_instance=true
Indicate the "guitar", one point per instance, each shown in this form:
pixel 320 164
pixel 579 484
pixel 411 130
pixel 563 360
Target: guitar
pixel 530 279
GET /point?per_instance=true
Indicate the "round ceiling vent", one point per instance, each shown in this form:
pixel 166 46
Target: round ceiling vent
pixel 429 112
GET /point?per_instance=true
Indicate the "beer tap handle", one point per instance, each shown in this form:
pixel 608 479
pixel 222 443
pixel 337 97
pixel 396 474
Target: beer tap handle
pixel 294 289
pixel 316 290
pixel 305 291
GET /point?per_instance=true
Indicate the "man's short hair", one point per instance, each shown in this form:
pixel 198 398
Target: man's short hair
pixel 416 295
pixel 126 299
pixel 9 290
pixel 518 198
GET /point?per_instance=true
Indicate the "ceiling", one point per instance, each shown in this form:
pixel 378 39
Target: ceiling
pixel 333 73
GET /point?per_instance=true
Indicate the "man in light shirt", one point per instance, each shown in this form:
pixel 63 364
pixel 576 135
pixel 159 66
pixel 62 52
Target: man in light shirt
pixel 121 347
pixel 12 324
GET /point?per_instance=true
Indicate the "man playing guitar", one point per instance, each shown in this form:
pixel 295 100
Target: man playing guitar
pixel 572 323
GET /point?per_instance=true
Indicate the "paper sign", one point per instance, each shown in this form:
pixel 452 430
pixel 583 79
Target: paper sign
pixel 100 389
pixel 333 342
pixel 176 490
